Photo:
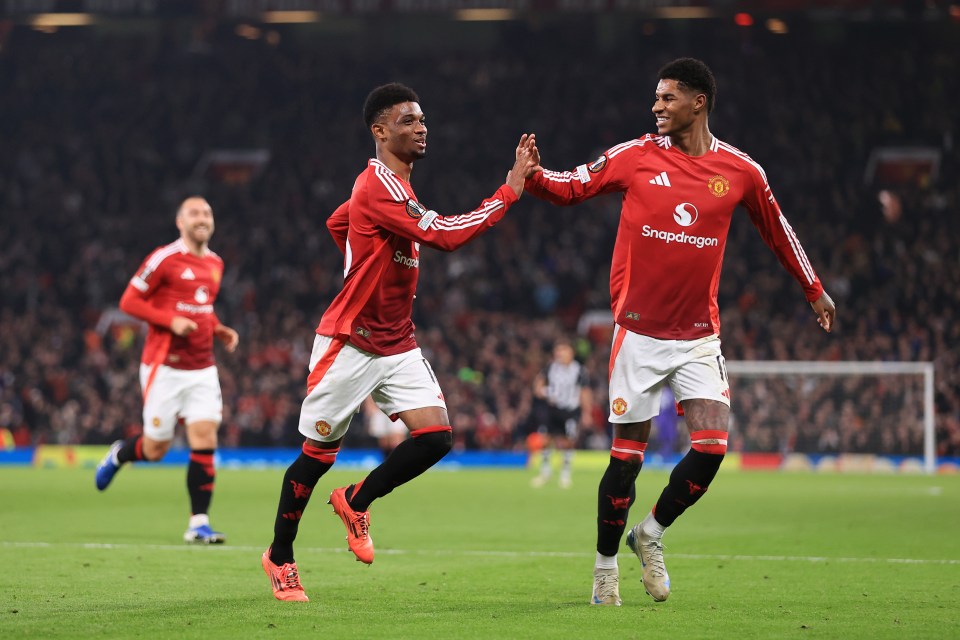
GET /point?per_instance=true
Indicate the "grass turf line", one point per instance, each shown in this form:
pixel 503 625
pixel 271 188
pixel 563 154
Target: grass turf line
pixel 490 576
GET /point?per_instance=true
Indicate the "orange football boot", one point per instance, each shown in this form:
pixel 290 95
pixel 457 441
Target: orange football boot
pixel 285 579
pixel 357 524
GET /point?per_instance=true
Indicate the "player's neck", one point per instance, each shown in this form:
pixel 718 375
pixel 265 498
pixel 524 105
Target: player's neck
pixel 198 249
pixel 694 141
pixel 395 164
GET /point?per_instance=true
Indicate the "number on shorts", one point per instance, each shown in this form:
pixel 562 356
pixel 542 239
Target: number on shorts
pixel 723 369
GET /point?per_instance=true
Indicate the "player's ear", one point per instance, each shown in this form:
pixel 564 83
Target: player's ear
pixel 378 130
pixel 700 102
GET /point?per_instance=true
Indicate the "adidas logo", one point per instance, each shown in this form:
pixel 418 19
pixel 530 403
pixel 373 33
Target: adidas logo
pixel 661 179
pixel 187 274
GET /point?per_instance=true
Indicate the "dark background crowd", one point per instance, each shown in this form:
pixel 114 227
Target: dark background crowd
pixel 103 132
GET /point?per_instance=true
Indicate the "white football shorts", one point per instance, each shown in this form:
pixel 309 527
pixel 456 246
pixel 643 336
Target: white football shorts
pixel 642 365
pixel 341 377
pixel 191 394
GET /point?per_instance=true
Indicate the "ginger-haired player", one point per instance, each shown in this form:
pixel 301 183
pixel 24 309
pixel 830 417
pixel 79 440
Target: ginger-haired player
pixel 174 291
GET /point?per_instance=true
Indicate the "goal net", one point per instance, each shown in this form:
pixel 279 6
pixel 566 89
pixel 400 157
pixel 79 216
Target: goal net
pixel 835 414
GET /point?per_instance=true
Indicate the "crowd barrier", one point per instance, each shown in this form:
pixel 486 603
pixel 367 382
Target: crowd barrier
pixel 88 456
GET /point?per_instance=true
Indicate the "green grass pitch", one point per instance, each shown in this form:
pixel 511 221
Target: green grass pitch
pixel 480 554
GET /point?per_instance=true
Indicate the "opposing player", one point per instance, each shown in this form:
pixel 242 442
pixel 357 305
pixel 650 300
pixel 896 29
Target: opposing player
pixel 680 188
pixel 365 342
pixel 174 291
pixel 565 390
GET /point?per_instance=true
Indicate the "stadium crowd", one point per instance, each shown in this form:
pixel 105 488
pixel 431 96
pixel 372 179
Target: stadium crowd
pixel 103 134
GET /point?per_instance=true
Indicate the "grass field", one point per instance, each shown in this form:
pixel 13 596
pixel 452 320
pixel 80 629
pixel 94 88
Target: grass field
pixel 479 554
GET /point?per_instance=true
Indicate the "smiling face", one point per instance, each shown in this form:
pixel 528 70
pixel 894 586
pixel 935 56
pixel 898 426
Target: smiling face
pixel 402 131
pixel 195 221
pixel 676 107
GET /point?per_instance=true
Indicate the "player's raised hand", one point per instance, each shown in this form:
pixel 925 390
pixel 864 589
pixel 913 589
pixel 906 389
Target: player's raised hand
pixel 229 337
pixel 528 144
pixel 527 158
pixel 182 326
pixel 532 141
pixel 825 310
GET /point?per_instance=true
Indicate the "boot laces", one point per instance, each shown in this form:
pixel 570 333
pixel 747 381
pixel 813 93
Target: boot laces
pixel 607 585
pixel 291 577
pixel 361 525
pixel 654 559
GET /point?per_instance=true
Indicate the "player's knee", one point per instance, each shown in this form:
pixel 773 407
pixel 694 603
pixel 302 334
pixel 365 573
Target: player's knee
pixel 202 434
pixel 438 443
pixel 321 452
pixel 155 450
pixel 712 441
pixel 630 452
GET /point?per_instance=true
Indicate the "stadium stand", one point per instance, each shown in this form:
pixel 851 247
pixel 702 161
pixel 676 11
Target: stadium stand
pixel 104 132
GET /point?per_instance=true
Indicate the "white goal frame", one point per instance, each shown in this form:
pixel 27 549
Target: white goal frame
pixel 764 368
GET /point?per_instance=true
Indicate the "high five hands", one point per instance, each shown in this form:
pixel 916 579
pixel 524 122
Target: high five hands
pixel 526 164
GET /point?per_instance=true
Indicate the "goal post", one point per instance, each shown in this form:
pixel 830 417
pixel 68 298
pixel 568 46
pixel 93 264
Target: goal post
pixel 770 369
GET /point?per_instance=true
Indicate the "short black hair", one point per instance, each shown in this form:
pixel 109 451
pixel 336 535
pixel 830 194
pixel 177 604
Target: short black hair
pixel 384 97
pixel 693 74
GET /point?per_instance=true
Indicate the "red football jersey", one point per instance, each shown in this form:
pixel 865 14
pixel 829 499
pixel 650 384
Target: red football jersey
pixel 675 216
pixel 174 282
pixel 380 230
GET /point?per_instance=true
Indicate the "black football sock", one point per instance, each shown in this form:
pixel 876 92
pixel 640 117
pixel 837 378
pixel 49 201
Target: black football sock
pixel 131 450
pixel 409 459
pixel 298 483
pixel 201 475
pixel 617 492
pixel 688 481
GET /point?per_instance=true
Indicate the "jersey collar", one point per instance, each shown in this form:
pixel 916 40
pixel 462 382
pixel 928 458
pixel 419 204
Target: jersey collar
pixel 714 142
pixel 182 246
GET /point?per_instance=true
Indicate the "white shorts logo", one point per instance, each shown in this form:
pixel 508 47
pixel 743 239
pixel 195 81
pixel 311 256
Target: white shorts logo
pixel 685 214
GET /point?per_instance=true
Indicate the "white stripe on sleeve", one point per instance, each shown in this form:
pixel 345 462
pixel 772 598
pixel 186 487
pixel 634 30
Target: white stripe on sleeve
pixel 798 251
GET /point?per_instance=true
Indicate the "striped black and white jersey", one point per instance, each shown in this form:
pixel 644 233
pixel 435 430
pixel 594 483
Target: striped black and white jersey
pixel 564 382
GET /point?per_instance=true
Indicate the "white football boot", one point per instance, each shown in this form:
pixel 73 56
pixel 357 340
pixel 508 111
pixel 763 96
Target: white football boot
pixel 606 587
pixel 650 551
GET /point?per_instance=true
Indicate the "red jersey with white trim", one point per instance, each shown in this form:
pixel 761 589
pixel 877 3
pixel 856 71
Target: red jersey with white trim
pixel 174 282
pixel 675 216
pixel 380 230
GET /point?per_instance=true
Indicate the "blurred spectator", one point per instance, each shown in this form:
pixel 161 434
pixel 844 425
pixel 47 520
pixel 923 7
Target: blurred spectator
pixel 102 134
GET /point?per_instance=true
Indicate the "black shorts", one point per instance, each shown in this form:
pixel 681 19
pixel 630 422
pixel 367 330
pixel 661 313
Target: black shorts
pixel 562 422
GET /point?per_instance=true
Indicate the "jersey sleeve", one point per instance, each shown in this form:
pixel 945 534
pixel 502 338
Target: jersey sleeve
pixel 339 224
pixel 777 232
pixel 401 214
pixel 609 173
pixel 135 300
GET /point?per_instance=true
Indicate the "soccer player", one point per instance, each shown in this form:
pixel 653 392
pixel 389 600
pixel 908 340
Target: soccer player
pixel 564 387
pixel 365 342
pixel 679 188
pixel 174 291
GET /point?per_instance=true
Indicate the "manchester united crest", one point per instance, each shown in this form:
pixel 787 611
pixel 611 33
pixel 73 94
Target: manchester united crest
pixel 619 407
pixel 323 428
pixel 719 186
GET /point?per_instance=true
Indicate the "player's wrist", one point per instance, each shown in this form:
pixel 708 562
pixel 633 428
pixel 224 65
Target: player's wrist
pixel 512 193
